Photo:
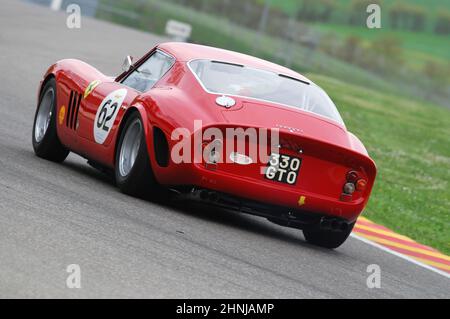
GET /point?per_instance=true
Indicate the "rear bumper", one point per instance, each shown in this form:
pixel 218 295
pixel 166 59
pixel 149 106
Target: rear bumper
pixel 274 196
pixel 280 215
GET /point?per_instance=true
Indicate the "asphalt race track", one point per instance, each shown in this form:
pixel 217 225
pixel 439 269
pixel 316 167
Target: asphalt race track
pixel 54 215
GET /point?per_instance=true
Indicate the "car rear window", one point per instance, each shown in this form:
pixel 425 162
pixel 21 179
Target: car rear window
pixel 233 79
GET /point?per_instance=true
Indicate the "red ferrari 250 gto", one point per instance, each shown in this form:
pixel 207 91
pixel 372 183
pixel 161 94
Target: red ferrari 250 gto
pixel 171 121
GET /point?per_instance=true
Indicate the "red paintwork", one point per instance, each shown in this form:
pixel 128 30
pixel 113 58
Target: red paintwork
pixel 330 151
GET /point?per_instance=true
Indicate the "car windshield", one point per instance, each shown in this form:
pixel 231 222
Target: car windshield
pixel 233 79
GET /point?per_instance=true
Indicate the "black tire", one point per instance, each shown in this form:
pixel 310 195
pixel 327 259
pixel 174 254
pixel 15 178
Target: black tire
pixel 139 181
pixel 48 146
pixel 327 238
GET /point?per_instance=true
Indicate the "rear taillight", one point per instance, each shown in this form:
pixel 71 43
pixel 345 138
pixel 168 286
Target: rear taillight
pixel 352 176
pixel 352 183
pixel 361 185
pixel 349 188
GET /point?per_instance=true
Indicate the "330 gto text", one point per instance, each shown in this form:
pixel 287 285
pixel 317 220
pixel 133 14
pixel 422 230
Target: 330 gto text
pixel 283 168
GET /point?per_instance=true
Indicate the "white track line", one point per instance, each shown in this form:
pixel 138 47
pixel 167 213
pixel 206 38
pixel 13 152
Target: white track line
pixel 440 272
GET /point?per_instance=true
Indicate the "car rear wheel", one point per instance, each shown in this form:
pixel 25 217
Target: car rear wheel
pixel 134 175
pixel 326 237
pixel 46 143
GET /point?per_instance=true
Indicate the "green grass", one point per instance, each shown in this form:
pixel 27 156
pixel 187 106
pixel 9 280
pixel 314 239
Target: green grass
pixel 291 5
pixel 342 8
pixel 419 48
pixel 410 143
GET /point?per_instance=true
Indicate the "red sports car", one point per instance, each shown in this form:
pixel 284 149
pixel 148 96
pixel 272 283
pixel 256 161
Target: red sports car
pixel 215 126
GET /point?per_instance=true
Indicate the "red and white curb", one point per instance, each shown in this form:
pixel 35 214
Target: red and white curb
pixel 402 246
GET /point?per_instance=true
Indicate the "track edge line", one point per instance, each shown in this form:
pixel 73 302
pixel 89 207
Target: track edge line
pixel 367 241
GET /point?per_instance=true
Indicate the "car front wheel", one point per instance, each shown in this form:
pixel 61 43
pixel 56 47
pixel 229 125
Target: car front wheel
pixel 46 143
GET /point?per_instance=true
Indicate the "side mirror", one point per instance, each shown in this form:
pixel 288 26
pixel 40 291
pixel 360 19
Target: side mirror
pixel 127 63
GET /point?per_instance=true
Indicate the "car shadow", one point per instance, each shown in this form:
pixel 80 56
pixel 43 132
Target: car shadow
pixel 230 218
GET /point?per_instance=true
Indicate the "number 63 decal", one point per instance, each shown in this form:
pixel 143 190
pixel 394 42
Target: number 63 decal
pixel 106 114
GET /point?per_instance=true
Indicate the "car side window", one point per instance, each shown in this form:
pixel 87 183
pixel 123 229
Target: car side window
pixel 148 73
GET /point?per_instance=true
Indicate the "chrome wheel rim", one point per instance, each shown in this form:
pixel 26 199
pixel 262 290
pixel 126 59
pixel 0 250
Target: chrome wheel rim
pixel 44 115
pixel 130 148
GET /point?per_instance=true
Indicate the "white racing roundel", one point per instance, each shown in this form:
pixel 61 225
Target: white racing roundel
pixel 106 114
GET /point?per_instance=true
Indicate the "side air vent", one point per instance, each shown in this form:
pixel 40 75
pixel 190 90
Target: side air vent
pixel 161 147
pixel 73 108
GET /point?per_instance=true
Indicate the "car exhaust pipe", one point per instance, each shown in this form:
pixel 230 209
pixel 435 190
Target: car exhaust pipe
pixel 333 224
pixel 203 194
pixel 213 196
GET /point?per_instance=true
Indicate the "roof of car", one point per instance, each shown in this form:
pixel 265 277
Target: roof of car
pixel 187 51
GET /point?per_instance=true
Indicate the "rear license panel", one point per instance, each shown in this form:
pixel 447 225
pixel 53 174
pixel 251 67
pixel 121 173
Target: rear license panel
pixel 283 168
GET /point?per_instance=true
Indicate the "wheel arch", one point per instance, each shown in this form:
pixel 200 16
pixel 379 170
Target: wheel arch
pixel 158 161
pixel 46 78
pixel 145 122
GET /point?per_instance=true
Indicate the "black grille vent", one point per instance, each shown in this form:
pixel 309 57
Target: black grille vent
pixel 73 108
